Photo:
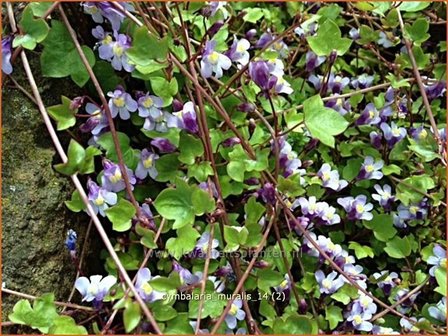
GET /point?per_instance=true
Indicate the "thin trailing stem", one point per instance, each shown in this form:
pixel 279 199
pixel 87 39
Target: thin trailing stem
pixel 81 260
pixel 419 80
pixel 107 111
pixel 204 278
pixel 57 303
pixel 403 299
pixel 76 181
pixel 244 277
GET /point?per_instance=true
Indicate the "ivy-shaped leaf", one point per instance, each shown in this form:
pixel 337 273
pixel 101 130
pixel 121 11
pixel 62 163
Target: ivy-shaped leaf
pixel 33 30
pixel 61 59
pixel 121 215
pixel 328 39
pixel 63 114
pixel 323 123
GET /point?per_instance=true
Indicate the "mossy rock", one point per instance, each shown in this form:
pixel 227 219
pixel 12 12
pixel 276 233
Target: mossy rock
pixel 34 217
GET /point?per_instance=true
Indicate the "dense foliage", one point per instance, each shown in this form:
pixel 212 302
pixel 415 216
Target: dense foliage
pixel 260 167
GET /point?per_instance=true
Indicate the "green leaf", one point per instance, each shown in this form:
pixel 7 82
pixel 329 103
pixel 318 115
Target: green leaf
pixel 163 312
pixel 35 30
pixel 234 237
pixel 382 226
pixel 254 211
pixel 328 39
pixel 146 47
pixel 66 325
pixel 295 325
pixel 164 89
pixel 164 284
pixel 131 316
pixel 361 251
pixel 167 167
pixel 323 123
pixel 268 278
pixel 76 155
pixel 176 204
pixel 63 114
pixel 427 150
pixel 190 148
pixel 418 32
pixel 129 157
pixel 391 169
pixel 236 170
pixel 39 8
pixel 407 194
pixel 253 15
pixel 413 6
pixel 76 204
pixel 398 247
pixel 121 215
pixel 184 243
pixel 41 316
pixel 61 59
pixel 213 306
pixel 200 171
pixel 202 202
pixel 367 35
pixel 179 325
pixel 345 294
pixel 106 75
pixel 440 275
pixel 267 310
pixel 333 315
pixel 88 164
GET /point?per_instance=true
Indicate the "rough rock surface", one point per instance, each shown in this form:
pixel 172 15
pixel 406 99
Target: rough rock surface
pixel 34 217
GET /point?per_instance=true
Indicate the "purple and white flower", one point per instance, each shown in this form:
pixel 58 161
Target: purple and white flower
pixel 312 61
pixel 100 199
pixel 393 133
pixel 359 319
pixel 185 275
pixel 201 248
pixel 163 145
pixel 439 311
pixel 337 83
pixel 113 51
pixel 239 51
pixel 6 55
pixel 438 259
pixel 387 282
pixel 112 178
pixel 149 106
pixel 356 208
pixel 330 178
pixel 362 82
pixel 144 288
pixel 121 103
pixel 419 133
pixel 375 139
pixel 330 283
pixel 235 314
pixel 369 116
pixel 371 170
pixel 384 196
pixel 436 90
pixel 96 288
pixel 412 211
pixel 260 73
pixel 213 62
pixel 186 118
pixel 147 165
pixel 104 10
